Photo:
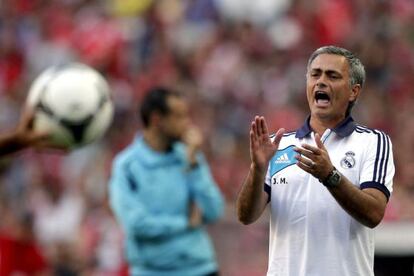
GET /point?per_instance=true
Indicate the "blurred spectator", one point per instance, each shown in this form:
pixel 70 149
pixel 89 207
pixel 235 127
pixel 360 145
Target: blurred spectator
pixel 19 250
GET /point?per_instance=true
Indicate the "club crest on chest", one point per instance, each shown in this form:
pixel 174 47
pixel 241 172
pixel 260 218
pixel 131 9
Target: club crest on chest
pixel 348 161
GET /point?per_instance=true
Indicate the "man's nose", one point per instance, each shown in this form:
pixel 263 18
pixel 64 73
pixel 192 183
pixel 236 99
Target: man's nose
pixel 321 82
pixel 321 85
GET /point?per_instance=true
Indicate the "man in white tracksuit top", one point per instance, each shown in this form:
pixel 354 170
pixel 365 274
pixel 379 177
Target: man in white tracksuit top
pixel 327 183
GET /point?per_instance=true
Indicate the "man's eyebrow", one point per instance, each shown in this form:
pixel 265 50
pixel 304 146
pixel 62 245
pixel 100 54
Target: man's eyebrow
pixel 329 71
pixel 315 70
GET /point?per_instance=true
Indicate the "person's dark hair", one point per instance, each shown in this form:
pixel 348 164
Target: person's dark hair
pixel 155 100
pixel 356 68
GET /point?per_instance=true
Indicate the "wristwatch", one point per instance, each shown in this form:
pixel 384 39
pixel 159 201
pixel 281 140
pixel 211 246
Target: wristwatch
pixel 333 179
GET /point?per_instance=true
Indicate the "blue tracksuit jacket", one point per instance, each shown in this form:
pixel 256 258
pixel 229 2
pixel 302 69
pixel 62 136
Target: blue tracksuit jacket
pixel 150 194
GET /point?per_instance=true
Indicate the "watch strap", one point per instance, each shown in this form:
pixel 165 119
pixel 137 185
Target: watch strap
pixel 333 178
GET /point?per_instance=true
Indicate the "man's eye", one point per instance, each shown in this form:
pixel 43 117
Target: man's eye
pixel 334 75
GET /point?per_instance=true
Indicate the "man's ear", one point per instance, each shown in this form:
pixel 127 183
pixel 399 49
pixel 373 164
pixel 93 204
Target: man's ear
pixel 356 89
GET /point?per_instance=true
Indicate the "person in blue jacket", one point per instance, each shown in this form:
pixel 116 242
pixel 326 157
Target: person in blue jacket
pixel 162 193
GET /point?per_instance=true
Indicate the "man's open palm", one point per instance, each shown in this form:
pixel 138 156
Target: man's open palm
pixel 261 146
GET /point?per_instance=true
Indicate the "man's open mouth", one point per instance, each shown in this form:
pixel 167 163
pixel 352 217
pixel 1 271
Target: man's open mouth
pixel 322 98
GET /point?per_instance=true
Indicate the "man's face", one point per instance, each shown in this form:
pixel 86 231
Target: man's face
pixel 174 124
pixel 328 87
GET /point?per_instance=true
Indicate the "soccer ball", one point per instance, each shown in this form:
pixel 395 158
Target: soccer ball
pixel 72 103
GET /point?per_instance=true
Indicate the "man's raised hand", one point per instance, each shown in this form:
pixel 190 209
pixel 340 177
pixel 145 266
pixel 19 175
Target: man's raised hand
pixel 262 148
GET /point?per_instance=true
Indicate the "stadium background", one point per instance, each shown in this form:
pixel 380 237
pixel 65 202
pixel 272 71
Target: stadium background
pixel 233 59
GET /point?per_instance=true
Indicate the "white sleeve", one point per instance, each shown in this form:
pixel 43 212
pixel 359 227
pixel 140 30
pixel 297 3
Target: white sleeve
pixel 378 167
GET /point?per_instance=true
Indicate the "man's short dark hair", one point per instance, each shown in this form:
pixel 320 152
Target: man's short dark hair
pixel 155 100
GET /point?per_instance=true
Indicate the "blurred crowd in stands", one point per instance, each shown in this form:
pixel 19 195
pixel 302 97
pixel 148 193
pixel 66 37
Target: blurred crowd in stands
pixel 233 59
